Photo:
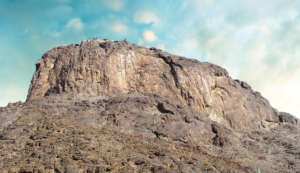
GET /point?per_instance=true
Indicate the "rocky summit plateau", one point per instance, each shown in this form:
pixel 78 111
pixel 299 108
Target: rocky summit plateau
pixel 113 106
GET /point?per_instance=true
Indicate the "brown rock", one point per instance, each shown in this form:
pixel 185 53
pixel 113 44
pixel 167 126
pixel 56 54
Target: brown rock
pixel 97 67
pixel 106 106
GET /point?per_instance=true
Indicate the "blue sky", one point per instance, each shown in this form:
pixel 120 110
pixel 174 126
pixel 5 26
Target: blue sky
pixel 256 41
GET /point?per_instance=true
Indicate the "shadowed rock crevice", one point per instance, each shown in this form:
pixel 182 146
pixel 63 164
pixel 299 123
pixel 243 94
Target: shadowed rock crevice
pixel 287 118
pixel 168 60
pixel 218 139
pixel 162 109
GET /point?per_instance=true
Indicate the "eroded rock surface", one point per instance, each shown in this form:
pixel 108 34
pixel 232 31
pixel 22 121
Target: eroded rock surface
pixel 97 67
pixel 105 106
pixel 133 133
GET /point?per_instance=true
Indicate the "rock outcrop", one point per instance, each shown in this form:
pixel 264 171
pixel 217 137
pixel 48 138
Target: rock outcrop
pixel 97 67
pixel 105 106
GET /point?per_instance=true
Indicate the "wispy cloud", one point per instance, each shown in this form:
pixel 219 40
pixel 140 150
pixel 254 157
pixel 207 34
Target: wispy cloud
pixel 75 23
pixel 114 4
pixel 254 44
pixel 119 28
pixel 146 17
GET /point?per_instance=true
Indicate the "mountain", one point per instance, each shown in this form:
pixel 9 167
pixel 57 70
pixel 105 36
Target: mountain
pixel 113 106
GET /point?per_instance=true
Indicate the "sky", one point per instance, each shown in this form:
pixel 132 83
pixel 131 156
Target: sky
pixel 256 41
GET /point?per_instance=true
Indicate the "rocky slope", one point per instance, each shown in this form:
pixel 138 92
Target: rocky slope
pixel 105 106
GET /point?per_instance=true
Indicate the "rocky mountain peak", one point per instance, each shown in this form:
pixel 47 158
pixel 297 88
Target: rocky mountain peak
pixel 112 106
pixel 103 67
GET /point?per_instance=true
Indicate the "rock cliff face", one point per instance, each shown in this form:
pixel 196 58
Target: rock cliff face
pixel 105 106
pixel 98 67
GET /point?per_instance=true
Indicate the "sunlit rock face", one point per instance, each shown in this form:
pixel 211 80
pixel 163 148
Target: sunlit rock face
pixel 98 67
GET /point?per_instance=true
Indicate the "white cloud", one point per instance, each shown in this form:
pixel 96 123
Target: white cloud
pixel 149 36
pixel 114 4
pixel 75 23
pixel 119 28
pixel 145 17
